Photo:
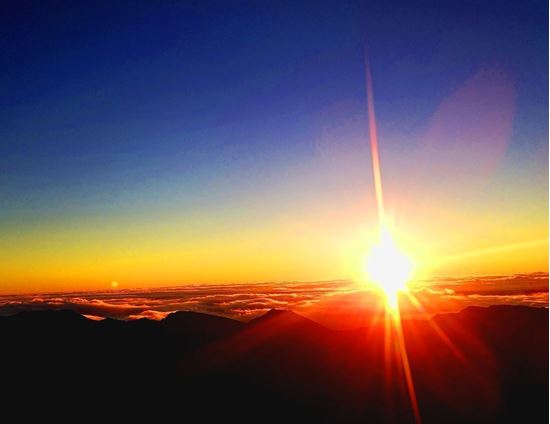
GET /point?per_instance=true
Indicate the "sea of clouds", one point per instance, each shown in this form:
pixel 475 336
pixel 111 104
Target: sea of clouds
pixel 338 304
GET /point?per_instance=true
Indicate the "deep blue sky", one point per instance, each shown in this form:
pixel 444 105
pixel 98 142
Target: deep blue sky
pixel 83 86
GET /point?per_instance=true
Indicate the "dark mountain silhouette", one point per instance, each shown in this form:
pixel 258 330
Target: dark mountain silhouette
pixel 282 315
pixel 480 365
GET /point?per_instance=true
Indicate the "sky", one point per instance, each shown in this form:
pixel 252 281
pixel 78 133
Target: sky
pixel 169 143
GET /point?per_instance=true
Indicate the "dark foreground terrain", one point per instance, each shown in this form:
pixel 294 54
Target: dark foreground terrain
pixel 480 365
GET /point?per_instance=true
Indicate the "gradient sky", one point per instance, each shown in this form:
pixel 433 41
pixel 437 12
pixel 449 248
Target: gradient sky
pixel 173 142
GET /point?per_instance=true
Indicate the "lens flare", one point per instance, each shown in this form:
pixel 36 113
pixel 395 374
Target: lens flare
pixel 386 265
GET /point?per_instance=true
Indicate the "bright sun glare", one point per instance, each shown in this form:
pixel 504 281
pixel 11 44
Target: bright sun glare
pixel 388 268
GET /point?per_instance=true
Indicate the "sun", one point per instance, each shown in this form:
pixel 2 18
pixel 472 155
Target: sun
pixel 388 268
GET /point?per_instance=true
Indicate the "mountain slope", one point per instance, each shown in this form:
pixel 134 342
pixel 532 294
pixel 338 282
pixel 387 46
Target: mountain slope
pixel 478 365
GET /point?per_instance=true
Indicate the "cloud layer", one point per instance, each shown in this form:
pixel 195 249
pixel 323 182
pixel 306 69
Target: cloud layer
pixel 335 303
